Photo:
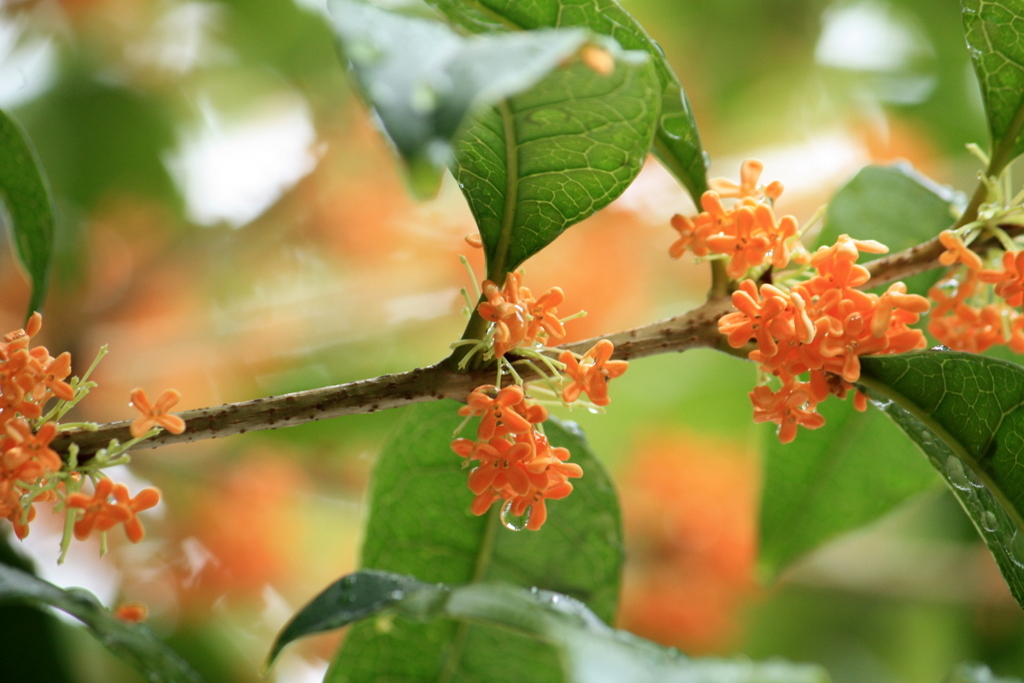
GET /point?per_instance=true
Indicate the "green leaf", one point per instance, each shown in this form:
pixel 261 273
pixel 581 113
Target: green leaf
pixel 993 29
pixel 677 141
pixel 423 79
pixel 828 481
pixel 966 412
pixel 590 651
pixel 29 210
pixel 895 205
pixel 541 161
pixel 420 524
pixel 976 673
pixel 134 643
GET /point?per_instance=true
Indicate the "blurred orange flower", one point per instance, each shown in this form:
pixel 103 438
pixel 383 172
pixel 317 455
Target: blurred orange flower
pixel 689 504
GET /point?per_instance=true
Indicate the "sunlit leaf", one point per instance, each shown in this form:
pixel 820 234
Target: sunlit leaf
pixel 422 79
pixel 548 158
pixel 895 205
pixel 677 141
pixel 993 29
pixel 26 204
pixel 134 643
pixel 966 412
pixel 977 673
pixel 420 524
pixel 832 480
pixel 591 651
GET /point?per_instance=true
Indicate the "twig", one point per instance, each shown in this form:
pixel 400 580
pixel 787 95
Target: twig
pixel 695 329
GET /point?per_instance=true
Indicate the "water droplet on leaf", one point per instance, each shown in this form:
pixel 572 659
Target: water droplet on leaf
pixel 940 347
pixel 514 522
pixel 397 595
pixel 1017 549
pixel 955 474
pixel 989 522
pixel 973 479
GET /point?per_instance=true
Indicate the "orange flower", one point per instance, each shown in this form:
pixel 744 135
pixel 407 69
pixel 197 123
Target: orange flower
pixel 957 251
pixel 144 500
pixel 1009 281
pixel 591 373
pixel 790 406
pixel 98 512
pixel 102 515
pixel 52 373
pixel 497 416
pixel 750 173
pixel 155 414
pixel 31 456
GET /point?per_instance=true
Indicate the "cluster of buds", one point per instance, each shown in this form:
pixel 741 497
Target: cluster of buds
pixel 515 462
pixel 977 308
pixel 747 233
pixel 811 336
pixel 31 472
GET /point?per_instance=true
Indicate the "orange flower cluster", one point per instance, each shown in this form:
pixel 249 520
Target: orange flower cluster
pixel 31 471
pixel 519 318
pixel 819 329
pixel 747 232
pixel 29 378
pixel 978 308
pixel 516 463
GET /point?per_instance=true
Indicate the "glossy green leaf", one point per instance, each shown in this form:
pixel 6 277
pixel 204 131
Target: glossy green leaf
pixel 590 651
pixel 26 204
pixel 828 481
pixel 677 141
pixel 977 673
pixel 134 643
pixel 966 412
pixel 895 205
pixel 420 524
pixel 544 160
pixel 993 29
pixel 423 79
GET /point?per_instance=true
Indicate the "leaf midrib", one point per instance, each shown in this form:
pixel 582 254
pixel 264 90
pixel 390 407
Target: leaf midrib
pixel 497 270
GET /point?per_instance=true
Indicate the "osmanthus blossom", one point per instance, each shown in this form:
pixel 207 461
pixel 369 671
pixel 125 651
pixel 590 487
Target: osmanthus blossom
pixel 32 472
pixel 977 307
pixel 818 329
pixel 156 414
pixel 745 232
pixel 513 461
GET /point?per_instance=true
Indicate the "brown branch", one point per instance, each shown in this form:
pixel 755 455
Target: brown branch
pixel 695 329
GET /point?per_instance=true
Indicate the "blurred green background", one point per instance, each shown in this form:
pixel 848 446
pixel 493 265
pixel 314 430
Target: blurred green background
pixel 233 225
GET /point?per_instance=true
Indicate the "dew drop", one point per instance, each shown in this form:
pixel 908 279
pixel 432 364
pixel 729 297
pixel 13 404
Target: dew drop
pixel 1017 549
pixel 989 522
pixel 955 474
pixel 940 347
pixel 973 479
pixel 514 522
pixel 397 595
